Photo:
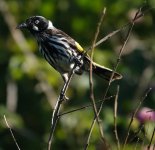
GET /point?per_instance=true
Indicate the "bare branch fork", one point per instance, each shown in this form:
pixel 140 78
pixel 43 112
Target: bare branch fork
pixel 115 119
pixel 86 106
pixel 92 97
pixel 138 14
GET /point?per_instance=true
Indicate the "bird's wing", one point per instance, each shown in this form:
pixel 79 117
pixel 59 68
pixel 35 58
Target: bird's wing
pixel 72 43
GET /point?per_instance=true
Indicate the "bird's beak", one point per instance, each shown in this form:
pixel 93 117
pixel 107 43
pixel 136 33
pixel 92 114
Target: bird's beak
pixel 22 26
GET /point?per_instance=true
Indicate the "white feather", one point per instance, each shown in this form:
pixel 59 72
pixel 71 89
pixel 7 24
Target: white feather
pixel 35 28
pixel 50 25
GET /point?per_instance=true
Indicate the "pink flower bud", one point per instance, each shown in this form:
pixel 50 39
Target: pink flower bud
pixel 146 114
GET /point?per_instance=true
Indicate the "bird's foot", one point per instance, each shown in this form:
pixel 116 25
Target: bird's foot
pixel 78 61
pixel 63 97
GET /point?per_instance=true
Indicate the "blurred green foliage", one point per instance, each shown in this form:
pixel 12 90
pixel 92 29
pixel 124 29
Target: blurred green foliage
pixel 29 86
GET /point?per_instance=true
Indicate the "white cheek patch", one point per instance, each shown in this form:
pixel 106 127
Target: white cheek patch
pixel 50 25
pixel 35 28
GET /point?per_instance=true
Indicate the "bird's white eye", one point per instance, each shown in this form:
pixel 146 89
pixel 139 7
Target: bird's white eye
pixel 37 21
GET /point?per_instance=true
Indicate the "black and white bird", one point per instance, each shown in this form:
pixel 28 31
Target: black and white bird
pixel 61 51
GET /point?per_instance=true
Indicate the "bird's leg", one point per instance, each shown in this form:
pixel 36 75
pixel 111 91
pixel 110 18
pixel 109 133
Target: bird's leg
pixel 64 88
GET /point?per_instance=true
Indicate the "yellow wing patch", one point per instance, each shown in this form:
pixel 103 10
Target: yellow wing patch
pixel 79 48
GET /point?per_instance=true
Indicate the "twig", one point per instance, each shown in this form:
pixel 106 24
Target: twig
pixel 55 115
pixel 120 29
pixel 137 15
pixel 115 118
pixel 91 84
pixel 14 139
pixel 84 107
pixel 91 73
pixel 133 116
pixel 151 139
pixel 94 120
pixel 89 135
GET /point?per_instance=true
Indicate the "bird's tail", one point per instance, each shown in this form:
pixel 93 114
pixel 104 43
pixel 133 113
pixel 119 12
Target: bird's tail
pixel 102 71
pixel 105 73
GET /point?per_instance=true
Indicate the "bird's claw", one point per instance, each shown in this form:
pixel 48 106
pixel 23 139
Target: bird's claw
pixel 78 61
pixel 63 97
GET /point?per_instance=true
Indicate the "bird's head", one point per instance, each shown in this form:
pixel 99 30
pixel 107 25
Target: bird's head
pixel 36 24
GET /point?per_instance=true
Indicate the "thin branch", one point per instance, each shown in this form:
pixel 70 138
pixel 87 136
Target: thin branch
pixel 151 139
pixel 90 132
pixel 137 15
pixel 120 29
pixel 55 115
pixel 84 107
pixel 14 139
pixel 54 121
pixel 115 118
pixel 91 73
pixel 94 120
pixel 133 116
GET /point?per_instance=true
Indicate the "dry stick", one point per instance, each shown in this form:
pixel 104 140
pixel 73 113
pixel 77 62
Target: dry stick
pixel 137 15
pixel 55 115
pixel 84 107
pixel 91 73
pixel 121 28
pixel 14 139
pixel 133 116
pixel 115 118
pixel 115 32
pixel 151 139
pixel 98 43
pixel 124 26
